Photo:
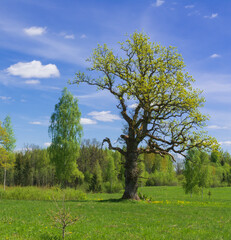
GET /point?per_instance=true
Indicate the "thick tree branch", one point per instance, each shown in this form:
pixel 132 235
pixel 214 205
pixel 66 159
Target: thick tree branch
pixel 108 141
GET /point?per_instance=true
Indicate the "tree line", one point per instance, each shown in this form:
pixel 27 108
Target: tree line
pixel 102 169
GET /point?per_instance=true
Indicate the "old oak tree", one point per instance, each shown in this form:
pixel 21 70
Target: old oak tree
pixel 165 118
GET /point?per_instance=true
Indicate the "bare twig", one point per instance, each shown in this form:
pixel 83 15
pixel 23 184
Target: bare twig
pixel 62 217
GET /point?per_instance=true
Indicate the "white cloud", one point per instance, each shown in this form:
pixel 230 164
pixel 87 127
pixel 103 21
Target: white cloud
pixel 225 143
pixel 35 123
pixel 46 46
pixel 87 121
pixel 33 69
pixel 42 121
pixel 47 144
pixel 32 82
pixel 104 116
pixel 69 36
pixel 133 106
pixel 83 36
pixel 213 15
pixel 159 2
pixel 215 55
pixel 34 31
pixel 189 6
pixel 216 127
pixel 4 98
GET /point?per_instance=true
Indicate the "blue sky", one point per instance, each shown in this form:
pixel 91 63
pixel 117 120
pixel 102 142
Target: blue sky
pixel 43 43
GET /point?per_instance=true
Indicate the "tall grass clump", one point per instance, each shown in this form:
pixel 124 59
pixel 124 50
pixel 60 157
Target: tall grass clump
pixel 35 193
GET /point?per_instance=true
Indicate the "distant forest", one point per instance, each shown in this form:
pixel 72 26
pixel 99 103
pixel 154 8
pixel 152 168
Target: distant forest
pixel 103 169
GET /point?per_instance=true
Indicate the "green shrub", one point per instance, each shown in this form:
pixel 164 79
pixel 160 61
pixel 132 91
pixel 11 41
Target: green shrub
pixel 114 188
pixel 161 179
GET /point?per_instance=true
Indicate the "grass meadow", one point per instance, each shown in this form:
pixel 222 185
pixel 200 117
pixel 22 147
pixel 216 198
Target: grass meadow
pixel 169 215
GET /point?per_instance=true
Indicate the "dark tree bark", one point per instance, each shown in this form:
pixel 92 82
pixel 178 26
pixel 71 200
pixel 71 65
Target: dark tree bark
pixel 131 177
pixel 131 169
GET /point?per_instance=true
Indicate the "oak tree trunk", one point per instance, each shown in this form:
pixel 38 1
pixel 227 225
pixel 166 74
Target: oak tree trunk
pixel 131 177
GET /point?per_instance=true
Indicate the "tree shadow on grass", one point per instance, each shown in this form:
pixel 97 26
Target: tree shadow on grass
pixel 116 200
pixel 110 200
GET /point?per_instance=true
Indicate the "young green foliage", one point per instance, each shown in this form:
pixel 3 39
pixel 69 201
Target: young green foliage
pixel 166 117
pixel 3 137
pixel 111 171
pixel 8 162
pixel 196 171
pixel 10 145
pixel 65 131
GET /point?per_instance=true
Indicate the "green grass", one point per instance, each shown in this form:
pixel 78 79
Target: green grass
pixel 170 215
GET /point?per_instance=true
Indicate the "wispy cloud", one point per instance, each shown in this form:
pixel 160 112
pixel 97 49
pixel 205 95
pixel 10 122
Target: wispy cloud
pixel 97 99
pixel 213 15
pixel 87 121
pixel 33 69
pixel 215 55
pixel 83 36
pixel 189 6
pixel 46 45
pixel 9 80
pixel 217 127
pixel 32 82
pixel 42 121
pixel 216 90
pixel 34 31
pixel 72 36
pixel 158 3
pixel 98 94
pixel 104 116
pixel 211 82
pixel 4 98
pixel 35 123
pixel 225 143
